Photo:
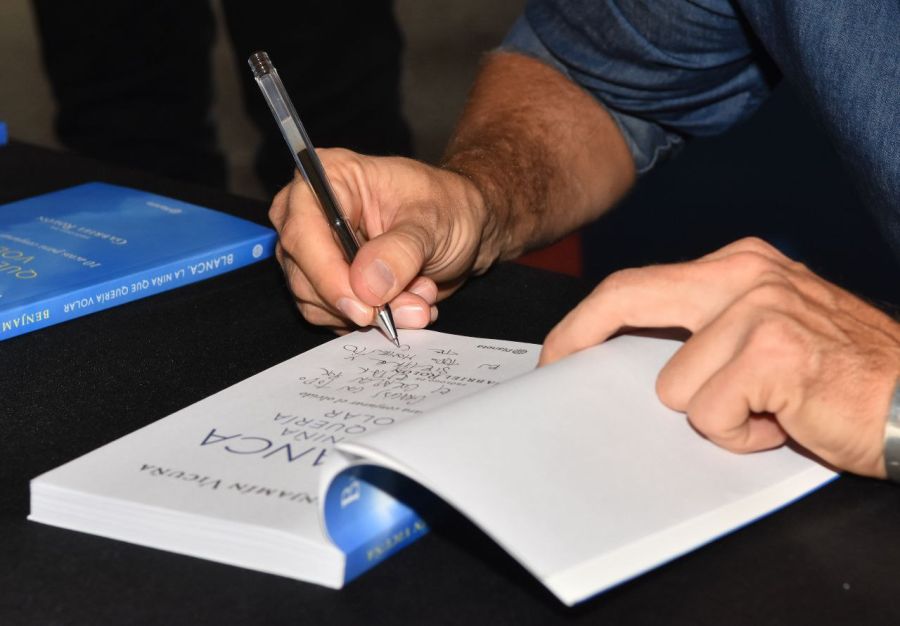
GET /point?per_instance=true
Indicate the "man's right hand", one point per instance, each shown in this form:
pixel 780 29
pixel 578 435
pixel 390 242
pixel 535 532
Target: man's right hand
pixel 421 228
pixel 533 157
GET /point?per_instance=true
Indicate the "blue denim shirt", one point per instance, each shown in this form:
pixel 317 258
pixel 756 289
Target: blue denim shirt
pixel 668 70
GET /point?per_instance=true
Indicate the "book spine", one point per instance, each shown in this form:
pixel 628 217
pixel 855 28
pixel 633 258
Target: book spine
pixel 140 284
pixel 402 533
pixel 367 523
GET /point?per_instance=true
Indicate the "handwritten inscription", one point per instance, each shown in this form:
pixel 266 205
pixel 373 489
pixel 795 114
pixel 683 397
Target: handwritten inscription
pixel 357 389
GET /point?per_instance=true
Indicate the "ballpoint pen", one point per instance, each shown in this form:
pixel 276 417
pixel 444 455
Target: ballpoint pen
pixel 311 168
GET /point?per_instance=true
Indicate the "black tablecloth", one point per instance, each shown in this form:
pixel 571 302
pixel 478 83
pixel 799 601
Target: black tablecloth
pixel 829 559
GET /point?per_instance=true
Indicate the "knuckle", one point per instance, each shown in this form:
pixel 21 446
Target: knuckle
pixel 737 443
pixel 819 290
pixel 337 155
pixel 798 267
pixel 278 207
pixel 618 280
pixel 701 423
pixel 341 164
pixel 667 390
pixel 773 292
pixel 751 263
pixel 769 332
pixel 757 245
pixel 290 235
pixel 776 338
pixel 734 439
pixel 310 312
pixel 275 213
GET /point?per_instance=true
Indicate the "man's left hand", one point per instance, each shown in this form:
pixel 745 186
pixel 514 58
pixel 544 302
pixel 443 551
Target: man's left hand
pixel 776 352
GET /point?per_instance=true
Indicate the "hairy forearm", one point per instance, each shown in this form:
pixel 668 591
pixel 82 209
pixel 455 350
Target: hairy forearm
pixel 544 155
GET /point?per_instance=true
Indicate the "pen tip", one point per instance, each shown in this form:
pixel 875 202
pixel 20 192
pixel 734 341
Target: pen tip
pixel 386 324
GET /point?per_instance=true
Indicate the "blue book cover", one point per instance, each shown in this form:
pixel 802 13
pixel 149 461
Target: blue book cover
pixel 79 250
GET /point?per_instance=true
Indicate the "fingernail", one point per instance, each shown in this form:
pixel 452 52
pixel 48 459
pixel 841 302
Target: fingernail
pixel 434 314
pixel 357 312
pixel 425 289
pixel 410 316
pixel 379 278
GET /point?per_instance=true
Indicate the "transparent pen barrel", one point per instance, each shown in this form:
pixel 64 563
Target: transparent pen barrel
pixel 288 120
pixel 304 155
pixel 311 168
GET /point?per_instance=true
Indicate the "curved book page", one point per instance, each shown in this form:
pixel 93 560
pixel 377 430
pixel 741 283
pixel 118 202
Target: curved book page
pixel 581 474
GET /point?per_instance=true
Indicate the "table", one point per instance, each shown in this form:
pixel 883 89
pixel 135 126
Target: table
pixel 830 558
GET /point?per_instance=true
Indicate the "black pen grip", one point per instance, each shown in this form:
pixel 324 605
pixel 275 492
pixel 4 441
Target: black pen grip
pixel 317 179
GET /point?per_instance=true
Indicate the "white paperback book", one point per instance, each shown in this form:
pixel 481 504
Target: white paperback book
pixel 575 469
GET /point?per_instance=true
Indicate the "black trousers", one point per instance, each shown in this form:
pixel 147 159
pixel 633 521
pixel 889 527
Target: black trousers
pixel 133 79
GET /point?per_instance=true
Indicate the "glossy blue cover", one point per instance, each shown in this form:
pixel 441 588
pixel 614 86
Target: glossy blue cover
pixel 367 523
pixel 72 252
pixel 3 136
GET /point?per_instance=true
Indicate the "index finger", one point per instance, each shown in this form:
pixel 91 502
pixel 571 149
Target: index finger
pixel 686 295
pixel 307 239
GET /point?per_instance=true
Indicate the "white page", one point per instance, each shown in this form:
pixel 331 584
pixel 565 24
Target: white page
pixel 583 475
pixel 251 455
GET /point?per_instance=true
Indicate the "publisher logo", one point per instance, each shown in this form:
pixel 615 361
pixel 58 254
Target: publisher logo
pixel 164 207
pixel 257 251
pixel 350 493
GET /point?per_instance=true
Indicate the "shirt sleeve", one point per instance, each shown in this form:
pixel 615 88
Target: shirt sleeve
pixel 666 70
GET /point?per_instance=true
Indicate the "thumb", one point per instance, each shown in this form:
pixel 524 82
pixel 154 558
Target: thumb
pixel 387 264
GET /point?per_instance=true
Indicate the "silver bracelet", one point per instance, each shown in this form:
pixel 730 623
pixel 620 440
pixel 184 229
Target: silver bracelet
pixel 892 438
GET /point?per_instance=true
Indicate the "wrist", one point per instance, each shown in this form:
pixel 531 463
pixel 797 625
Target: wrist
pixel 892 437
pixel 489 219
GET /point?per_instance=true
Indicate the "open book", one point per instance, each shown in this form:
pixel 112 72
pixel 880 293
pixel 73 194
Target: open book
pixel 575 469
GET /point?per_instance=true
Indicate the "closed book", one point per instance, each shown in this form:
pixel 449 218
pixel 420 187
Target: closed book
pixel 79 250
